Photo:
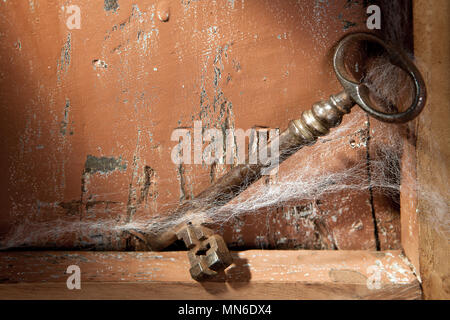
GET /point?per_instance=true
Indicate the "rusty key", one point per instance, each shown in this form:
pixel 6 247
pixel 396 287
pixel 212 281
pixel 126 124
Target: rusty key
pixel 207 252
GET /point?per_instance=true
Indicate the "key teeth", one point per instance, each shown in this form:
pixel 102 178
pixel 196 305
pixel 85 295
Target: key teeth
pixel 186 234
pixel 216 255
pixel 199 272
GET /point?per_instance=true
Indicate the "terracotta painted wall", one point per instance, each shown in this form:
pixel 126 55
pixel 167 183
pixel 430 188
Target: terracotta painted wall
pixel 87 115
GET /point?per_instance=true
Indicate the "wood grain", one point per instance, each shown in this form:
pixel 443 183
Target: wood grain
pixel 117 88
pixel 255 274
pixel 432 48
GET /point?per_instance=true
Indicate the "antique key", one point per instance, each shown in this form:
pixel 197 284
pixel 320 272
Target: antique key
pixel 208 253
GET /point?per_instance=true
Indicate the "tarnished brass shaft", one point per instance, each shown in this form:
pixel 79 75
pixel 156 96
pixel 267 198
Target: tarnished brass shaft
pixel 312 124
pixel 208 253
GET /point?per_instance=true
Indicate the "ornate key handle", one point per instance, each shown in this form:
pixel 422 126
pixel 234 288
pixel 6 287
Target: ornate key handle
pixel 208 254
pixel 328 114
pixel 359 93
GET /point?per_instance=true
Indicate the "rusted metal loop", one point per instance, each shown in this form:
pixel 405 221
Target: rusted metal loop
pixel 360 92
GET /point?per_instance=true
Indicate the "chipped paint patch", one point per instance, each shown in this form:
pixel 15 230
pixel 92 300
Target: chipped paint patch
pixel 99 64
pixel 111 5
pixel 103 164
pixel 347 276
pixel 66 51
pixel 65 122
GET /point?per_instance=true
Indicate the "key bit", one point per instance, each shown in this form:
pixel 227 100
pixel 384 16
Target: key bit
pixel 208 253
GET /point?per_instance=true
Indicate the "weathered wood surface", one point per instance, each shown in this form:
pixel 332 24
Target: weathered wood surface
pixel 255 274
pixel 432 48
pixel 87 114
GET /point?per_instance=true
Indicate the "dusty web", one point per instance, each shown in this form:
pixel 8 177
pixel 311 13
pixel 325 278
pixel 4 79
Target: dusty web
pixel 389 86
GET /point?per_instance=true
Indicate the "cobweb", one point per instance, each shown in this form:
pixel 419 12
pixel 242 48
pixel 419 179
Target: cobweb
pixel 389 86
pixel 303 182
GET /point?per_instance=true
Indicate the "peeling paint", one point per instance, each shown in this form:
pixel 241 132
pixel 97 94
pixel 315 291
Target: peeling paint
pixel 149 185
pixel 66 51
pixel 65 121
pixel 111 5
pixel 135 73
pixel 99 64
pixel 103 165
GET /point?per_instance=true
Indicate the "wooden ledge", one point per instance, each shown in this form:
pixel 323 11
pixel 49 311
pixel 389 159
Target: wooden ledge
pixel 256 274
